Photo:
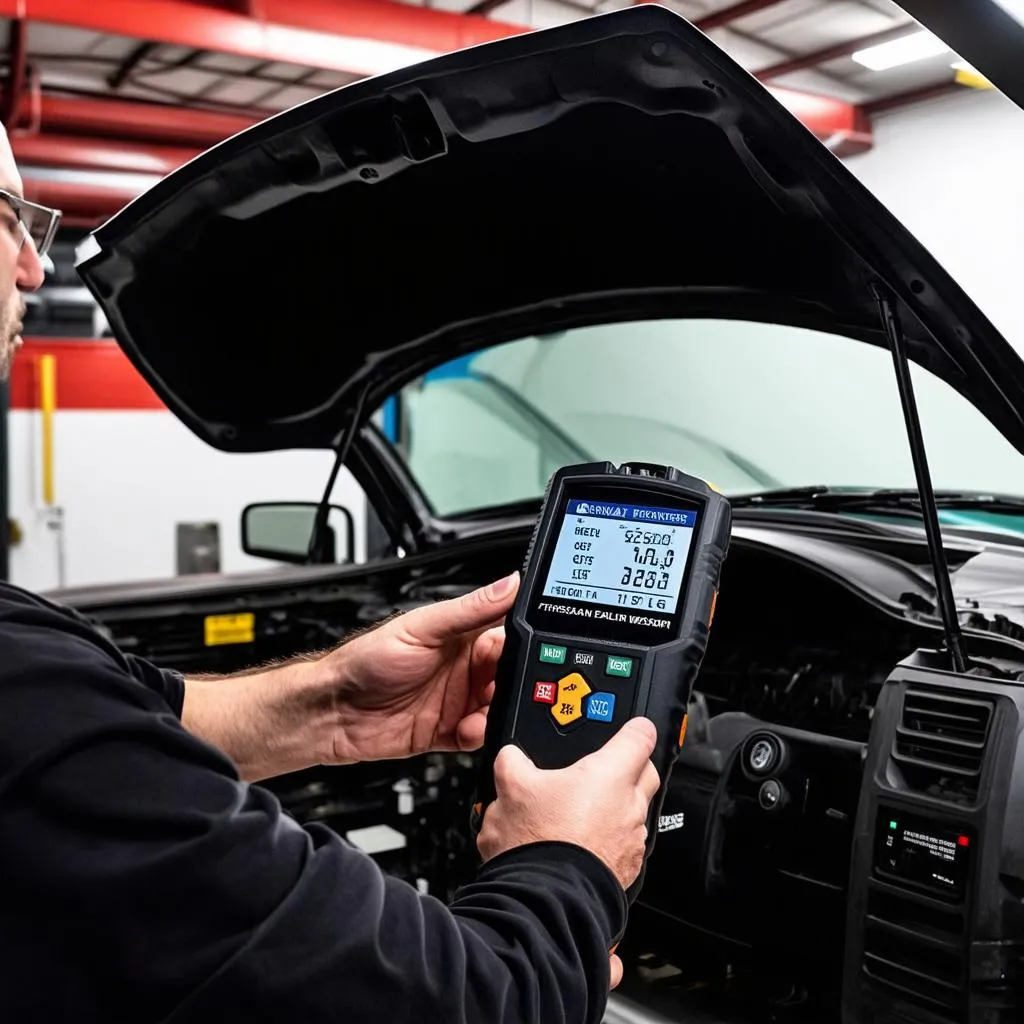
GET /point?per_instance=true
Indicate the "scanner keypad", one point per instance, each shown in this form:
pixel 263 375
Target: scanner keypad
pixel 579 686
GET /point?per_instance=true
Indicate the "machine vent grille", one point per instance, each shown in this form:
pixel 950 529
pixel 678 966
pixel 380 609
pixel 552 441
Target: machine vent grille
pixel 924 974
pixel 940 742
pixel 914 953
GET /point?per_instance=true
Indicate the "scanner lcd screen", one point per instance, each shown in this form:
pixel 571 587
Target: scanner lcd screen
pixel 621 555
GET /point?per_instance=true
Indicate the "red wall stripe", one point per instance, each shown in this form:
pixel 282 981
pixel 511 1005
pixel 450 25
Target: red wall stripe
pixel 91 374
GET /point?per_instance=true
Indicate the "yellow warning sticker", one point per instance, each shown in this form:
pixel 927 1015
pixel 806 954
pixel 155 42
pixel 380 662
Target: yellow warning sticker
pixel 230 629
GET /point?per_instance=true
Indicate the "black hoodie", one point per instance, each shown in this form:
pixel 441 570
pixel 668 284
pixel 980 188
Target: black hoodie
pixel 143 881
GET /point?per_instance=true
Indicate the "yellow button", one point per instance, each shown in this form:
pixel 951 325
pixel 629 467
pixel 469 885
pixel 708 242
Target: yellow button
pixel 573 689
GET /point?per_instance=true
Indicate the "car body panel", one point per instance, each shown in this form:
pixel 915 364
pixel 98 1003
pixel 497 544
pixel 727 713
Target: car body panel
pixel 888 567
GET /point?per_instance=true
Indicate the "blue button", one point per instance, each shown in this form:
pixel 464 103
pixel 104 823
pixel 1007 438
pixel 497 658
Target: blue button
pixel 601 707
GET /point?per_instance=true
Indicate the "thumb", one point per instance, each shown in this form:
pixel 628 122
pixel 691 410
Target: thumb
pixel 466 614
pixel 630 749
pixel 511 765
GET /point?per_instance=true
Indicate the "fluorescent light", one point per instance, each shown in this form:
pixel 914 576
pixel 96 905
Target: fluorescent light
pixel 904 50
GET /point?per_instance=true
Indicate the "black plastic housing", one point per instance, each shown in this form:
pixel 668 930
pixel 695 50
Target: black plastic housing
pixel 666 669
pixel 944 754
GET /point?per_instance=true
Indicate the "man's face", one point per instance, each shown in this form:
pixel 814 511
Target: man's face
pixel 20 268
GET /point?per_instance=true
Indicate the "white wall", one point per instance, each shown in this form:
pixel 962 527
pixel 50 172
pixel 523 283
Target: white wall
pixel 952 170
pixel 125 478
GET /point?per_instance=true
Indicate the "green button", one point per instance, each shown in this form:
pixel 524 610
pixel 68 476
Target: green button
pixel 619 667
pixel 552 654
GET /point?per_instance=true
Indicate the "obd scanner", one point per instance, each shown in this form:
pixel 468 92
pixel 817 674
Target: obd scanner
pixel 611 620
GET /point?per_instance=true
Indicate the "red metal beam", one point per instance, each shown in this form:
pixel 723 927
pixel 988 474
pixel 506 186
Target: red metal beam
pixel 842 126
pixel 356 36
pixel 84 154
pixel 149 122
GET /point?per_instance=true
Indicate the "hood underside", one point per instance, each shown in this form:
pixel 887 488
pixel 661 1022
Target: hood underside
pixel 621 167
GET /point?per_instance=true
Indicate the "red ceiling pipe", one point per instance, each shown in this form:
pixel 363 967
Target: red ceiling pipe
pixel 98 154
pixel 313 33
pixel 140 121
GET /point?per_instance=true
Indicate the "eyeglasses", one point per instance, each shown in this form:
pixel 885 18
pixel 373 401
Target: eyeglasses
pixel 37 222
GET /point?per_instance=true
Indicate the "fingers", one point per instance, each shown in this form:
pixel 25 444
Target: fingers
pixel 615 971
pixel 630 749
pixel 471 731
pixel 475 610
pixel 650 780
pixel 484 663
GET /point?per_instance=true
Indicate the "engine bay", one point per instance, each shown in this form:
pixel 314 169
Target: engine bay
pixel 746 909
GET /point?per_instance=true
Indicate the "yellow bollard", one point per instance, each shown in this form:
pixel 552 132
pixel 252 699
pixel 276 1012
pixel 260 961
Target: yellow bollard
pixel 48 405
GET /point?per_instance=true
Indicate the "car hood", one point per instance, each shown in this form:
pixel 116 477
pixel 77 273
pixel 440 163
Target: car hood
pixel 621 167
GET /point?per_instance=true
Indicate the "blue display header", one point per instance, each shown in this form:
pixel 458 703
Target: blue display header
pixel 632 513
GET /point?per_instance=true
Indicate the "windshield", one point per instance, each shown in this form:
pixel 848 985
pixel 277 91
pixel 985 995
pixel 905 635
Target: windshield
pixel 745 406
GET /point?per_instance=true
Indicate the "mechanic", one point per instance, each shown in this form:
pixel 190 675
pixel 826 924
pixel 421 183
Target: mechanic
pixel 148 877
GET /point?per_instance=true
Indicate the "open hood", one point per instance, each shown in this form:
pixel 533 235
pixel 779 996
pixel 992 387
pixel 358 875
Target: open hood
pixel 620 167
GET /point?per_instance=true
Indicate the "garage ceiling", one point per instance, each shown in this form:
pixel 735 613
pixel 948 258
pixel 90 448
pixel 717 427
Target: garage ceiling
pixel 166 77
pixel 768 37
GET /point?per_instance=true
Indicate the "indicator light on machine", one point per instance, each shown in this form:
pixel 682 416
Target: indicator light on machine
pixel 963 841
pixel 892 824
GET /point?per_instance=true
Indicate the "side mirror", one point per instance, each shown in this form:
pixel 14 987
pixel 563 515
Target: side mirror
pixel 281 530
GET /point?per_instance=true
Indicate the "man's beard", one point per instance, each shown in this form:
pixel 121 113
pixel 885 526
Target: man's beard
pixel 9 330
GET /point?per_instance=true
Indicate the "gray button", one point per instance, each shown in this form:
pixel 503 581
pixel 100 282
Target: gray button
pixel 769 795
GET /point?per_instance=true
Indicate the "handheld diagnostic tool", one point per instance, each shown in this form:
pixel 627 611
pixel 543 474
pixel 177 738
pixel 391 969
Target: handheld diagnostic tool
pixel 611 620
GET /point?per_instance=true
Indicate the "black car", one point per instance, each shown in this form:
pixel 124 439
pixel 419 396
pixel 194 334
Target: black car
pixel 607 241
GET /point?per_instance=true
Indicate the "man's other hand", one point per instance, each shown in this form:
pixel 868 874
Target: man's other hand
pixel 599 803
pixel 421 681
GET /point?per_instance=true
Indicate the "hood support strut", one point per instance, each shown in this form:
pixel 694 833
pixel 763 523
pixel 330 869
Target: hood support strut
pixel 943 582
pixel 318 540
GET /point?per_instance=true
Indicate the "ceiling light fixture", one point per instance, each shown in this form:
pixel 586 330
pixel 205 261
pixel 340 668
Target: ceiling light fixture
pixel 967 74
pixel 905 50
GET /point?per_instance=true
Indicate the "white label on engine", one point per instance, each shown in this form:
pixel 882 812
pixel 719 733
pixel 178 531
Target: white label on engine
pixel 670 822
pixel 376 839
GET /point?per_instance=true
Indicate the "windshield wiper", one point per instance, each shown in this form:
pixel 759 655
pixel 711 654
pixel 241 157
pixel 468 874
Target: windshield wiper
pixel 822 498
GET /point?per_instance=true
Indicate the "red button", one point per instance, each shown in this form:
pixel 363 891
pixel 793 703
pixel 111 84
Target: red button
pixel 544 693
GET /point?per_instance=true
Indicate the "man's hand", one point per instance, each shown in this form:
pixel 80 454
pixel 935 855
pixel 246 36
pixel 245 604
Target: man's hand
pixel 421 681
pixel 418 682
pixel 599 803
